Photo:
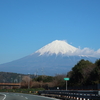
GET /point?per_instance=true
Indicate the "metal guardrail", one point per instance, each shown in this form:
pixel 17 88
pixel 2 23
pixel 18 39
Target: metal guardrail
pixel 73 94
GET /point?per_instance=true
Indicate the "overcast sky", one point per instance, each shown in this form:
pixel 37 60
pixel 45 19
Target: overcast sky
pixel 28 25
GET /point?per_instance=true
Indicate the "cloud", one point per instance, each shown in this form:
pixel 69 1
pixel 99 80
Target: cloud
pixel 87 52
pixel 97 53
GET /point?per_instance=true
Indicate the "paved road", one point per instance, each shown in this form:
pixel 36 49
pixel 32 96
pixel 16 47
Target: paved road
pixel 20 96
pixel 2 97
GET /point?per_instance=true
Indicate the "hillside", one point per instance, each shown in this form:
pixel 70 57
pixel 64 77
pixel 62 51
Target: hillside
pixel 8 77
pixel 57 57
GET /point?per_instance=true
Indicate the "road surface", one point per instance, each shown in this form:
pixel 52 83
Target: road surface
pixel 20 96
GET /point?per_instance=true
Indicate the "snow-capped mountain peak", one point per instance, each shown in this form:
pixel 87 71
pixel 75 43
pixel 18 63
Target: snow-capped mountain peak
pixel 57 47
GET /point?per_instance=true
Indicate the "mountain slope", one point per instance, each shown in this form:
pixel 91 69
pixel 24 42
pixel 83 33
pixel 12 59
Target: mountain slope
pixel 57 47
pixel 55 58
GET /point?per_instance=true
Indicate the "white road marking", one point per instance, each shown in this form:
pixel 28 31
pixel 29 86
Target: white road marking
pixel 26 98
pixel 4 96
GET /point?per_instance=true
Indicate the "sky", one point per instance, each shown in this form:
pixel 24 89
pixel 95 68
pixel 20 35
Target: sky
pixel 28 25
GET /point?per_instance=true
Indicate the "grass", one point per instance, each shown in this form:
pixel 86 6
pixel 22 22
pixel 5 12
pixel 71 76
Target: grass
pixel 31 90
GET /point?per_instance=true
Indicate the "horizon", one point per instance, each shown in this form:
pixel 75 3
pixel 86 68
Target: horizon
pixel 26 26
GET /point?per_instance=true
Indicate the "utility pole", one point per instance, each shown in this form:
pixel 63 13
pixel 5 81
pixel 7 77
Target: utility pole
pixel 20 80
pixel 66 85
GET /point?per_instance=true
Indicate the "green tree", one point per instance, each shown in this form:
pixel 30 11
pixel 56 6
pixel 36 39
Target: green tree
pixel 95 74
pixel 80 72
pixel 97 63
pixel 59 80
pixel 44 78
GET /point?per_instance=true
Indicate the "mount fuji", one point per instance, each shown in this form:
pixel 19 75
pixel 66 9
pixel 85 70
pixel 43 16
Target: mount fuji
pixel 57 57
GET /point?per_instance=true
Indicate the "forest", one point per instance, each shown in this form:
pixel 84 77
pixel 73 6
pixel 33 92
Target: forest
pixel 85 73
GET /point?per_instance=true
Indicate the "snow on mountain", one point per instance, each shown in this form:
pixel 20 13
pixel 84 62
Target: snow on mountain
pixel 57 47
pixel 53 63
pixel 63 48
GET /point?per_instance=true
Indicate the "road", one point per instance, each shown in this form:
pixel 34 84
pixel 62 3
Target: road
pixel 20 96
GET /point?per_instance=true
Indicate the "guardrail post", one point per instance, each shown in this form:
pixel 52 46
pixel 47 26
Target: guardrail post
pixel 74 95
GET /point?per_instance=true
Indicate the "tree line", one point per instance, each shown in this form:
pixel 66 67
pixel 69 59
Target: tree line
pixel 82 74
pixel 85 73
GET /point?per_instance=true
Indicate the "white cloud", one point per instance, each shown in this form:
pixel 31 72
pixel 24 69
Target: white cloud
pixel 87 52
pixel 98 51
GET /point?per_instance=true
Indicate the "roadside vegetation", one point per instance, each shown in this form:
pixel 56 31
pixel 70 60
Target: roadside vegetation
pixel 20 90
pixel 84 73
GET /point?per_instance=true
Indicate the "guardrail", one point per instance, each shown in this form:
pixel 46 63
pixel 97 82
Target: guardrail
pixel 72 94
